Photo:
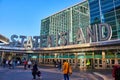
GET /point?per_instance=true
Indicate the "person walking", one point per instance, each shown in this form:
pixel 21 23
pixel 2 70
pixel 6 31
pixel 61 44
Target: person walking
pixel 34 70
pixel 25 64
pixel 4 62
pixel 66 70
pixel 59 65
pixel 7 62
pixel 10 63
pixel 29 64
pixel 116 72
pixel 55 63
pixel 13 63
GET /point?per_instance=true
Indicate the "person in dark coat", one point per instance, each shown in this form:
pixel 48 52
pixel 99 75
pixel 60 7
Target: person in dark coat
pixel 25 64
pixel 115 72
pixel 4 62
pixel 34 70
pixel 59 65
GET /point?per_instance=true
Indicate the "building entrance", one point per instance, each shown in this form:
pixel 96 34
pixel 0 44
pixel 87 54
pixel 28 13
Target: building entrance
pixel 97 63
pixel 89 63
pixel 110 63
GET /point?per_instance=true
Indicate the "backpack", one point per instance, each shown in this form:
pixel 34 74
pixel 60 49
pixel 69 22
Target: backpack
pixel 117 72
pixel 69 70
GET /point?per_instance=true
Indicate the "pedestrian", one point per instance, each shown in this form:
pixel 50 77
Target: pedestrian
pixel 66 70
pixel 29 64
pixel 7 62
pixel 116 72
pixel 4 62
pixel 35 71
pixel 55 63
pixel 10 63
pixel 25 64
pixel 13 63
pixel 59 65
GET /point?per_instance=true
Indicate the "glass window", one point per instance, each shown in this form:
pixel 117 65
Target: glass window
pixel 100 61
pixel 113 61
pixel 96 61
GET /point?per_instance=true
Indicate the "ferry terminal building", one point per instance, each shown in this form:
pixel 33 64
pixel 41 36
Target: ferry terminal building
pixel 95 55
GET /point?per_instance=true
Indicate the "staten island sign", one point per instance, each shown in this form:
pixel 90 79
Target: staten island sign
pixel 95 33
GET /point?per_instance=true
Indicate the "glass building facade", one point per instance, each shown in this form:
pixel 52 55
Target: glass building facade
pixel 68 20
pixel 106 11
pixel 89 12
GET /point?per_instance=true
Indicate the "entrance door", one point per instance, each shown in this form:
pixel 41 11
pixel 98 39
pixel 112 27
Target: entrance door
pixel 89 63
pixel 81 63
pixel 109 63
pixel 97 63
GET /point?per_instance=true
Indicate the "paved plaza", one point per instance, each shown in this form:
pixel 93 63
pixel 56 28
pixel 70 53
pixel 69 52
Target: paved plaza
pixel 49 73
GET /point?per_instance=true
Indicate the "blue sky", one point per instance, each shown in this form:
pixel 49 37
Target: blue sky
pixel 23 17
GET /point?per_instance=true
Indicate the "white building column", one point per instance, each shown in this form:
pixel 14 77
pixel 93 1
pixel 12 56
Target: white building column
pixel 76 60
pixel 39 58
pixel 93 61
pixel 116 60
pixel 103 60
